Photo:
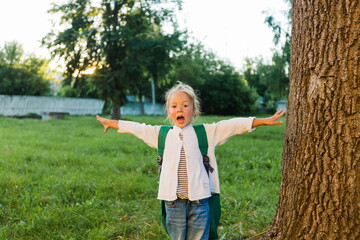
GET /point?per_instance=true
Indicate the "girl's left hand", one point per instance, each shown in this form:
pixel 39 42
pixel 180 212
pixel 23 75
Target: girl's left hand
pixel 269 121
pixel 273 120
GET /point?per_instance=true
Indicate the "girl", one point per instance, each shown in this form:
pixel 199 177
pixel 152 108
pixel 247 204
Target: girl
pixel 184 183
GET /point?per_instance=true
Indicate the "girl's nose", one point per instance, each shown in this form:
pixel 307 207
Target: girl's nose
pixel 179 109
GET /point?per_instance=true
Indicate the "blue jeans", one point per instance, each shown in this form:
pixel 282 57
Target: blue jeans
pixel 188 220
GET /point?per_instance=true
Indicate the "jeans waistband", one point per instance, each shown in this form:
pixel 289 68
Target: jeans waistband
pixel 187 201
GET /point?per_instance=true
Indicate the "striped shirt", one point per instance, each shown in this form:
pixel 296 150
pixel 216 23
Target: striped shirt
pixel 182 189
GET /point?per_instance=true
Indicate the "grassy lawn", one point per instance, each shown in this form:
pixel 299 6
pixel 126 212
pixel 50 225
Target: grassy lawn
pixel 66 179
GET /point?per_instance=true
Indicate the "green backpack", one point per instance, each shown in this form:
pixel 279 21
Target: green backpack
pixel 214 200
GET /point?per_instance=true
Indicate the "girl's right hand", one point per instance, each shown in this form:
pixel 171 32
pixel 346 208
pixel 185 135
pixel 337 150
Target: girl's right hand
pixel 105 122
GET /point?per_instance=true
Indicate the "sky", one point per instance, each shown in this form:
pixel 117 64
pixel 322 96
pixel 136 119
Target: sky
pixel 233 29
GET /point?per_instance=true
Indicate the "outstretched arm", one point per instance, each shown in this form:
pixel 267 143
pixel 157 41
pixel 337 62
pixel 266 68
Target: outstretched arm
pixel 269 121
pixel 107 123
pixel 147 133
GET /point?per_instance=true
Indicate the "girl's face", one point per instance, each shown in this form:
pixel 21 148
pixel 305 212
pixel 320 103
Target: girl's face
pixel 181 109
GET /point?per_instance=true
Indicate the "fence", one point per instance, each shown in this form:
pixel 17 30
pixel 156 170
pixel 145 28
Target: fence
pixel 133 108
pixel 48 106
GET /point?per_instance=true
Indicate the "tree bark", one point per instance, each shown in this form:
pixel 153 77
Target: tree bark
pixel 320 188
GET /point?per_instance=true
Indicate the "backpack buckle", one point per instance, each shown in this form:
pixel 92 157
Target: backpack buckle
pixel 159 160
pixel 206 161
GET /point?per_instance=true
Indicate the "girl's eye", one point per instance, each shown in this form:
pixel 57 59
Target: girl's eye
pixel 186 105
pixel 173 106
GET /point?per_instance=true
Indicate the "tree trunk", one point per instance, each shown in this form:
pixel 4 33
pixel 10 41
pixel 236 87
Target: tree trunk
pixel 153 96
pixel 116 114
pixel 142 105
pixel 320 188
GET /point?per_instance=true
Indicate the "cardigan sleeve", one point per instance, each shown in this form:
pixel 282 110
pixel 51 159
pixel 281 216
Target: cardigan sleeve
pixel 218 133
pixel 147 133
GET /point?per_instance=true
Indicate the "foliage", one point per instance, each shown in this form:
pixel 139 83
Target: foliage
pixel 271 81
pixel 18 81
pixel 11 53
pixel 253 77
pixel 38 66
pixel 192 65
pixel 121 39
pixel 72 181
pixel 227 93
pixel 20 75
pixel 222 90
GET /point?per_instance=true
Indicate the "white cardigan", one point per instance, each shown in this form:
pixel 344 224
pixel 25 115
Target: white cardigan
pixel 200 184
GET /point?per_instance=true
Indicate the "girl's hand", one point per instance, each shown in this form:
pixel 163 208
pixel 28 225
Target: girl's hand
pixel 269 121
pixel 273 120
pixel 104 122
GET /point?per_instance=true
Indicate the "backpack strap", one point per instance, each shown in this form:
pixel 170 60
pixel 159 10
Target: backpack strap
pixel 203 145
pixel 202 138
pixel 161 144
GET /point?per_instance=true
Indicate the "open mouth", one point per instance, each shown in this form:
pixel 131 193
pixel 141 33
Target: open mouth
pixel 180 119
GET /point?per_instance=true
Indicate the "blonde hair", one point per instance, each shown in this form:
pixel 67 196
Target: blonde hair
pixel 181 87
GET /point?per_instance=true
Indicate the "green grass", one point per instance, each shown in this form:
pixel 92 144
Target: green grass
pixel 66 179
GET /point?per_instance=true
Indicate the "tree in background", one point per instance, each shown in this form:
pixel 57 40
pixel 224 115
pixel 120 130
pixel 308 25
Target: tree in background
pixel 21 75
pixel 190 66
pixel 319 195
pixel 222 89
pixel 18 81
pixel 11 53
pixel 271 81
pixel 148 52
pixel 99 34
pixel 226 92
